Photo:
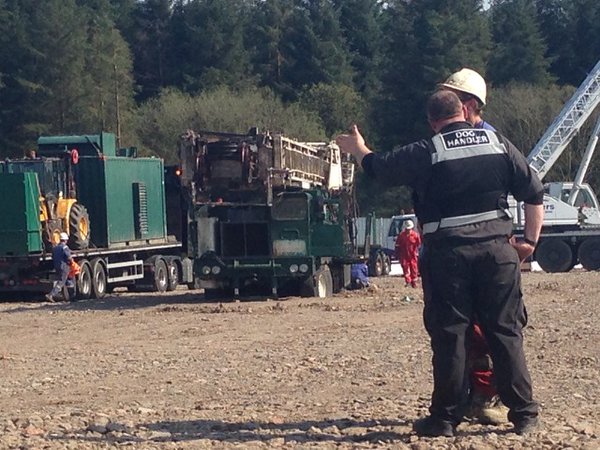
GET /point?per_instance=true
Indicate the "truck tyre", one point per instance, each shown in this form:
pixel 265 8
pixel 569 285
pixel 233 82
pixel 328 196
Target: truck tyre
pixel 337 276
pixel 79 227
pixel 161 275
pixel 589 254
pixel 98 278
pixel 320 285
pixel 387 264
pixel 173 270
pixel 84 281
pixel 68 293
pixel 376 265
pixel 554 255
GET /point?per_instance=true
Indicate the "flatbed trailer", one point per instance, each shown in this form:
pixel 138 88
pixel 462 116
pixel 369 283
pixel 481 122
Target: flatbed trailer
pixel 152 266
pixel 108 201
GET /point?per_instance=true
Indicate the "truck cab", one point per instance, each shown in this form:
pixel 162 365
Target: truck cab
pixel 560 210
pixel 246 249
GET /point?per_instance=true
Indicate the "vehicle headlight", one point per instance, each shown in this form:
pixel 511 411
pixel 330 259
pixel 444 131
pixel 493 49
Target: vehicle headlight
pixel 216 270
pixel 294 268
pixel 303 268
pixel 205 270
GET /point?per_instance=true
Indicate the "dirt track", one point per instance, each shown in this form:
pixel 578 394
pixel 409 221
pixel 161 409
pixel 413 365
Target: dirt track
pixel 350 372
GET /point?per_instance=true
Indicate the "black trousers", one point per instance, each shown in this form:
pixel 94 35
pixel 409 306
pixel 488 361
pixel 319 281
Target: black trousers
pixel 481 279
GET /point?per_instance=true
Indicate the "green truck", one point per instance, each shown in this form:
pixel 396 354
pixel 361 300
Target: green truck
pixel 110 202
pixel 266 214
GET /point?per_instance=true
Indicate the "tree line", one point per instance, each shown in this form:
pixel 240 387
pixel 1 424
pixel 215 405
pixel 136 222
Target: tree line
pixel 152 68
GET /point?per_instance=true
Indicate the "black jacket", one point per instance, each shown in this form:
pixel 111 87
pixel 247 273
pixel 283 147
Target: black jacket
pixel 465 183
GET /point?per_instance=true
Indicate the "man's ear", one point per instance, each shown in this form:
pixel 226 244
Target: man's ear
pixel 431 124
pixel 465 110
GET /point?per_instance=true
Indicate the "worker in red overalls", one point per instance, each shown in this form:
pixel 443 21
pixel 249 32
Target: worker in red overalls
pixel 407 251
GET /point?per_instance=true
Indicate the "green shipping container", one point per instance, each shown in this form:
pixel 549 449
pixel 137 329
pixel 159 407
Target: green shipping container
pixel 20 227
pixel 125 199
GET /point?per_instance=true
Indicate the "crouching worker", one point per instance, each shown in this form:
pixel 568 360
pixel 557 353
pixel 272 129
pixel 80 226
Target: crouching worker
pixel 62 260
pixel 360 276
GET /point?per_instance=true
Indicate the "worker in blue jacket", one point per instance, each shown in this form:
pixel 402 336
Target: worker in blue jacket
pixel 61 259
pixel 359 273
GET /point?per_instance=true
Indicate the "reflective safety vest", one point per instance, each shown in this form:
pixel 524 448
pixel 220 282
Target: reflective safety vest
pixel 463 150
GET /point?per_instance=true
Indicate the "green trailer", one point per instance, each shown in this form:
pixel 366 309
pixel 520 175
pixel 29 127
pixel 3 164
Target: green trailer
pixel 115 205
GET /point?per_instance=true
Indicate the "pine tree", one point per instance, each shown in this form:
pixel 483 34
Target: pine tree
pixel 60 72
pixel 585 42
pixel 44 70
pixel 148 33
pixel 315 46
pixel 425 42
pixel 332 54
pixel 519 53
pixel 265 38
pixel 361 28
pixel 299 44
pixel 108 61
pixel 556 25
pixel 9 111
pixel 207 49
pixel 122 13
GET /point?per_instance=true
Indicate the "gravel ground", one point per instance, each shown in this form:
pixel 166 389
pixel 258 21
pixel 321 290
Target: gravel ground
pixel 177 372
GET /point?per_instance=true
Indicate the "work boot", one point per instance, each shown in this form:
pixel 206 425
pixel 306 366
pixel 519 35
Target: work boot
pixel 526 426
pixel 413 284
pixel 49 298
pixel 486 410
pixel 432 427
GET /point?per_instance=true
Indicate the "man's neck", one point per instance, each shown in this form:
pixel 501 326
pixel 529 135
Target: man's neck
pixel 440 124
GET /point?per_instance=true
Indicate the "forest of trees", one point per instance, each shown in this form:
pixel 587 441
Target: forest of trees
pixel 308 68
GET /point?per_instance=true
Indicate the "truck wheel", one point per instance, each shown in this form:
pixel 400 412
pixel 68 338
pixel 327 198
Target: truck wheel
pixel 554 255
pixel 79 227
pixel 67 293
pixel 320 285
pixel 376 266
pixel 161 275
pixel 98 278
pixel 173 270
pixel 589 254
pixel 84 281
pixel 387 264
pixel 337 276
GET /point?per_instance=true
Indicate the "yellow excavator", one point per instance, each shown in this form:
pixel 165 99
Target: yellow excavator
pixel 56 192
pixel 65 215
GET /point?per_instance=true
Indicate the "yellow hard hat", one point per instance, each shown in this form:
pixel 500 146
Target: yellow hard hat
pixel 469 82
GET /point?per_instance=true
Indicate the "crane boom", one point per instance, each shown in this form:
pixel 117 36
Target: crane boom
pixel 567 124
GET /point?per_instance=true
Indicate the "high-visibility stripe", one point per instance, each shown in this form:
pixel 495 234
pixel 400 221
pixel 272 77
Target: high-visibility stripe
pixel 468 150
pixel 468 219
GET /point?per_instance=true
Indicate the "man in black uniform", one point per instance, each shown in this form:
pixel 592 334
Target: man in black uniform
pixel 461 178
